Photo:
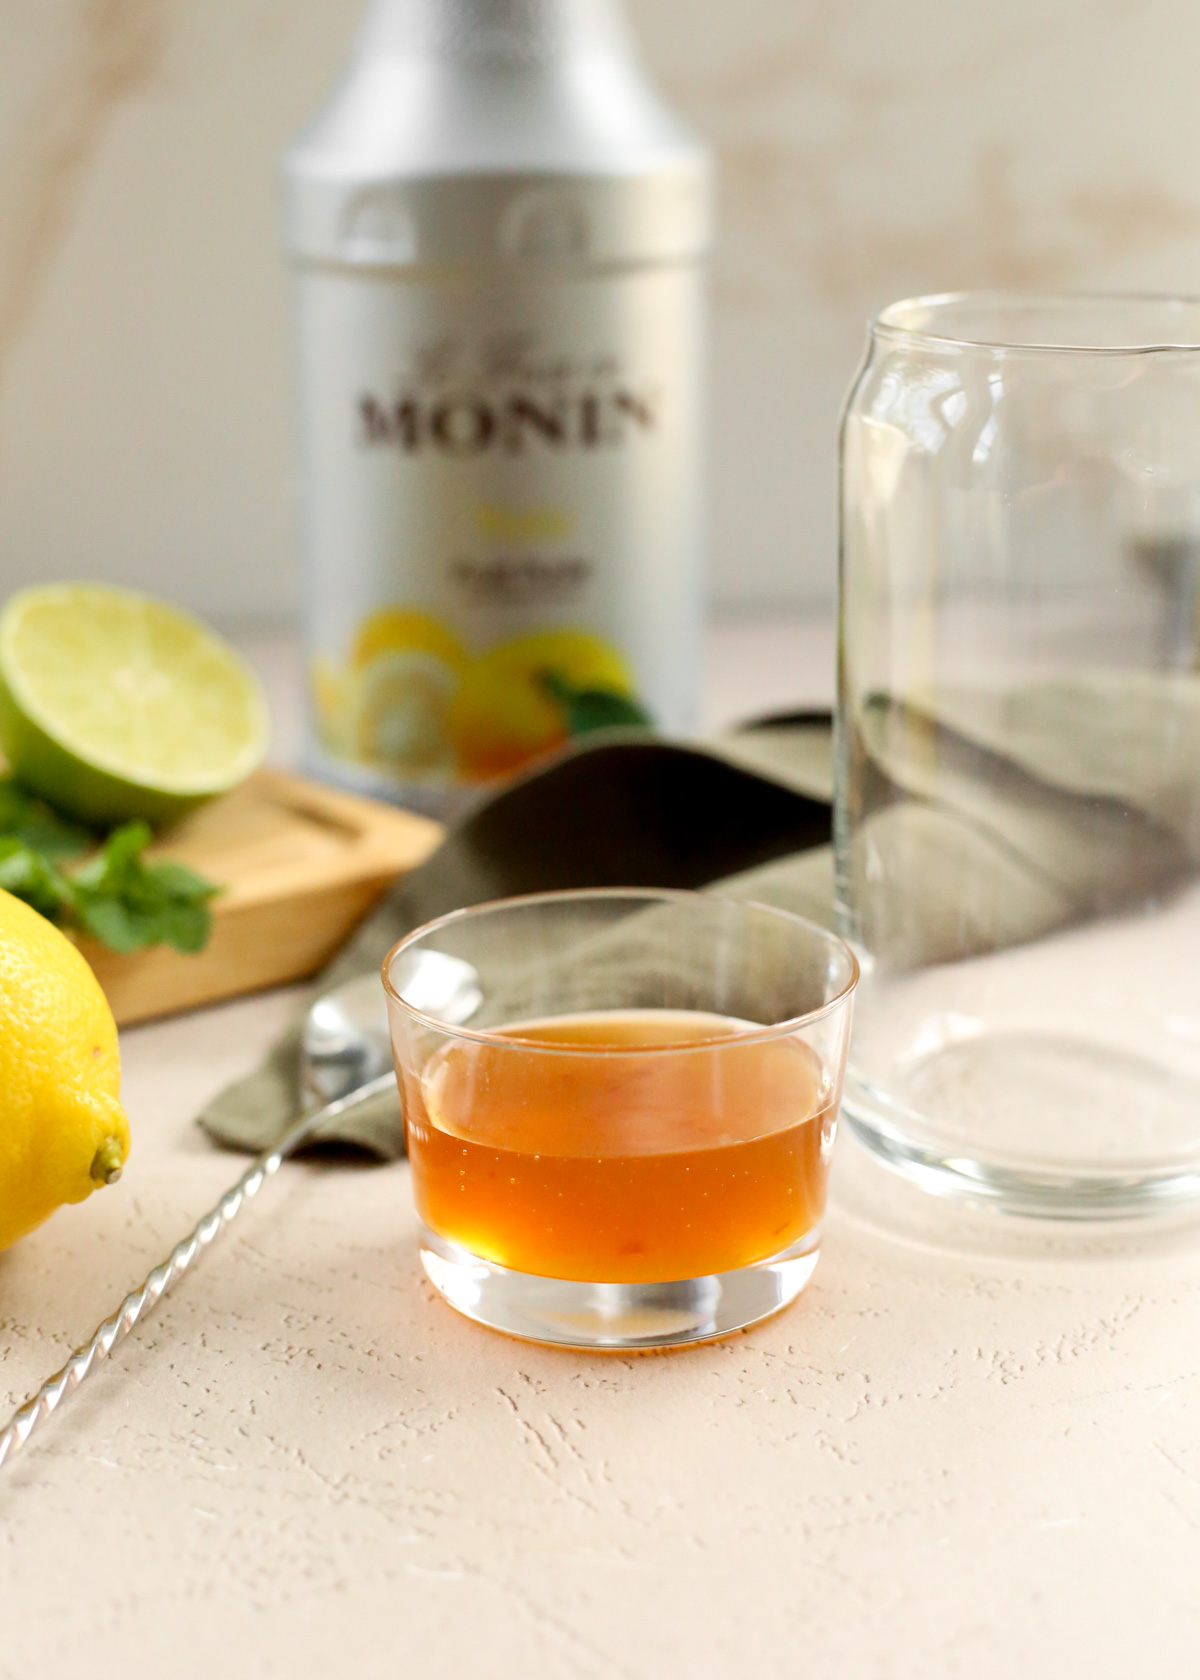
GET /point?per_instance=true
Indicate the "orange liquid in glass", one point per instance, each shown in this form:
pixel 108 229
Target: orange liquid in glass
pixel 615 1167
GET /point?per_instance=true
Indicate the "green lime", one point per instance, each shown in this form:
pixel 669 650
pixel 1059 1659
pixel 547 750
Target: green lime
pixel 115 706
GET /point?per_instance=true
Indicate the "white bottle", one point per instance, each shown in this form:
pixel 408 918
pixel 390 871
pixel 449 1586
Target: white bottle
pixel 498 236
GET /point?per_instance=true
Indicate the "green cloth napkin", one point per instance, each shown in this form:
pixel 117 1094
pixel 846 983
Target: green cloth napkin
pixel 615 811
pixel 999 815
pixel 995 817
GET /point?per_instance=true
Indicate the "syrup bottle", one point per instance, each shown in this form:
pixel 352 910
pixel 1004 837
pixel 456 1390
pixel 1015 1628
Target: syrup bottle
pixel 498 236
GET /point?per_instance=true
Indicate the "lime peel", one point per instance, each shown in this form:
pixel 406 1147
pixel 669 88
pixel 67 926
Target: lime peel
pixel 114 706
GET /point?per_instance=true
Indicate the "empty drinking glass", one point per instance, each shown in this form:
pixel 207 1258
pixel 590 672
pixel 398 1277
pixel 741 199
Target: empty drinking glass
pixel 1018 804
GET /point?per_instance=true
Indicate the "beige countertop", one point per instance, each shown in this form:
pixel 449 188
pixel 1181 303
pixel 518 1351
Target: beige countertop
pixel 971 1448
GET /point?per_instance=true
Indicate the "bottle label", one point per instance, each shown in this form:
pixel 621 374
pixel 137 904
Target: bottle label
pixel 501 515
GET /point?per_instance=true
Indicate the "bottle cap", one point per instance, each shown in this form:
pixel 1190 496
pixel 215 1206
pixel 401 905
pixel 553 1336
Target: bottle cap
pixel 514 132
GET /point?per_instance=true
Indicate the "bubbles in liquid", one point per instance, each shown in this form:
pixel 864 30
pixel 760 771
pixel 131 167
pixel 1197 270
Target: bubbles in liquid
pixel 623 1146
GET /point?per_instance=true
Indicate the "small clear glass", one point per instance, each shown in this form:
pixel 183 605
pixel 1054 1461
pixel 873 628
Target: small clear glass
pixel 620 1108
pixel 1018 801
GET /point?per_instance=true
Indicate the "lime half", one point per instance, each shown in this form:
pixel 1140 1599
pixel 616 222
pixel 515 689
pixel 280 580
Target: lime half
pixel 115 706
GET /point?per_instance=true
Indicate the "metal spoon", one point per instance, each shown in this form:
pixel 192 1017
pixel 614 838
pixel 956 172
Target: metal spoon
pixel 345 1060
pixel 346 1042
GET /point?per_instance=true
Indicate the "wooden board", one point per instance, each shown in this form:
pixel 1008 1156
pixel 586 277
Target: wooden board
pixel 299 864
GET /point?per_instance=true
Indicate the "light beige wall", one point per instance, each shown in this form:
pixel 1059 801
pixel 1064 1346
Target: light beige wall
pixel 868 149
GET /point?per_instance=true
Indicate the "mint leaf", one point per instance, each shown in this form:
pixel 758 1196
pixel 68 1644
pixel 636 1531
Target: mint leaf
pixel 586 709
pixel 128 903
pixel 116 864
pixel 116 896
pixel 35 824
pixel 187 925
pixel 31 876
pixel 111 922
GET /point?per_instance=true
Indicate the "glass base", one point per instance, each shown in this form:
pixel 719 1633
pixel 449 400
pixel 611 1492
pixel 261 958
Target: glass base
pixel 1038 1126
pixel 616 1316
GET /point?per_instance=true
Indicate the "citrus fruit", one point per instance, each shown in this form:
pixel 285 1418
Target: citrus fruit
pixel 402 630
pixel 331 691
pixel 115 706
pixel 401 702
pixel 405 668
pixel 63 1132
pixel 509 708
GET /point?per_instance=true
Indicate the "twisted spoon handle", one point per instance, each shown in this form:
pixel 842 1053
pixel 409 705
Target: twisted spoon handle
pixel 139 1302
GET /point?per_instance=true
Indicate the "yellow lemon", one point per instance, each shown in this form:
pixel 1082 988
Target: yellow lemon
pixel 400 707
pixel 405 667
pixel 63 1132
pixel 507 711
pixel 331 702
pixel 404 630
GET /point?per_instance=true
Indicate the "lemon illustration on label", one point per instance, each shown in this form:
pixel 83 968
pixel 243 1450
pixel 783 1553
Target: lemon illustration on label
pixel 412 701
pixel 389 708
pixel 331 689
pixel 529 695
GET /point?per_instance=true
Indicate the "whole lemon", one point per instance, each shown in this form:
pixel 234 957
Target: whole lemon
pixel 63 1132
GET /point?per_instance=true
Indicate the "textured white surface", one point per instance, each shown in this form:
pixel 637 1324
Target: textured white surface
pixel 959 1453
pixel 972 1448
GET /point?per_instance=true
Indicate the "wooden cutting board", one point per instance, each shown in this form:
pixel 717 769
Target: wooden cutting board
pixel 299 865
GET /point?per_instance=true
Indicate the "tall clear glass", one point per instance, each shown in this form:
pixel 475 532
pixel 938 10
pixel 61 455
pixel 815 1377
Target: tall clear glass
pixel 1018 804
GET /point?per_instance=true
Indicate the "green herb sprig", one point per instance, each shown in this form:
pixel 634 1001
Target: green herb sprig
pixel 587 709
pixel 116 895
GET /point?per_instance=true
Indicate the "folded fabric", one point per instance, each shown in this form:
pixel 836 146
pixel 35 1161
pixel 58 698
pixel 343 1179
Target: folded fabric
pixel 979 819
pixel 986 818
pixel 633 812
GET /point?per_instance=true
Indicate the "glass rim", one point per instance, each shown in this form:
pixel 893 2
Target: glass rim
pixel 676 895
pixel 886 323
